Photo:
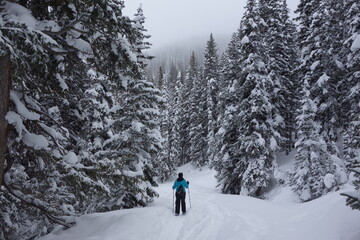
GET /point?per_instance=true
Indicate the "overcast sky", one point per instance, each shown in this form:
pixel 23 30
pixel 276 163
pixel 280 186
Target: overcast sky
pixel 172 21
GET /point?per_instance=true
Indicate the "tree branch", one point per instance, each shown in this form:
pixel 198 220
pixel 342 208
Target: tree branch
pixel 65 29
pixel 41 208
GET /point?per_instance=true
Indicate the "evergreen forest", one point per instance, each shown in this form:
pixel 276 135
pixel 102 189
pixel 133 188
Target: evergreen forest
pixel 85 128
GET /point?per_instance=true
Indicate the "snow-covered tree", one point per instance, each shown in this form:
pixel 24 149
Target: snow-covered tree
pixel 321 32
pixel 211 76
pixel 134 143
pixel 319 42
pixel 140 42
pixel 166 164
pixel 178 147
pixel 312 161
pixel 227 134
pixel 42 170
pixel 278 36
pixel 198 127
pixel 190 124
pixel 248 160
pixel 160 78
pixel 352 98
pixel 75 66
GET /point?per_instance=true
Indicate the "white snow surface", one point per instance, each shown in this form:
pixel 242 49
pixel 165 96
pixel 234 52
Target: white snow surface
pixel 214 216
pixel 356 43
pixel 14 96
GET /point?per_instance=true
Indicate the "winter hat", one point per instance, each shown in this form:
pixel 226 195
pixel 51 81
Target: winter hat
pixel 180 175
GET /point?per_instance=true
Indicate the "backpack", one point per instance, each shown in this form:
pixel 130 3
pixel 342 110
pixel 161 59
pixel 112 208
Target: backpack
pixel 180 189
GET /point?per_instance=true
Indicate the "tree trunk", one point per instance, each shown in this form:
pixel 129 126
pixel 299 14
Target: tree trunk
pixel 5 84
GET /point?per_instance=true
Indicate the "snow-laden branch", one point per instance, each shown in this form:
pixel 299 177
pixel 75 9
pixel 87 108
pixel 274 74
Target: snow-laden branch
pixel 50 213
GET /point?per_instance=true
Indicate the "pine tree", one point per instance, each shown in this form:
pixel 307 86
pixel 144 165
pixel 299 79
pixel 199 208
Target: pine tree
pixel 249 138
pixel 160 78
pixel 140 42
pixel 281 56
pixel 320 65
pixel 312 159
pixel 68 171
pixel 166 164
pixel 198 127
pixel 352 91
pixel 211 76
pixel 190 123
pixel 292 87
pixel 135 139
pixel 43 144
pixel 259 138
pixel 322 69
pixel 177 151
pixel 227 135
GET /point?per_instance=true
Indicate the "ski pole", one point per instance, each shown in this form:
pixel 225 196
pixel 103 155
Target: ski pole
pixel 173 202
pixel 189 197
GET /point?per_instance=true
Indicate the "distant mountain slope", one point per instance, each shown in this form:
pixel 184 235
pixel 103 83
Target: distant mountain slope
pixel 179 53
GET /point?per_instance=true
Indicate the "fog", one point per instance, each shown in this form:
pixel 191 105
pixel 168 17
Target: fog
pixel 171 22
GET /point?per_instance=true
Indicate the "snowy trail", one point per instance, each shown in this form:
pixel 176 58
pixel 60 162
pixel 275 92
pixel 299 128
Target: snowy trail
pixel 215 216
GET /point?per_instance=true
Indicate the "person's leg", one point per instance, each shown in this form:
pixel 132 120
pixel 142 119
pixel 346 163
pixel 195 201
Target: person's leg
pixel 183 203
pixel 177 204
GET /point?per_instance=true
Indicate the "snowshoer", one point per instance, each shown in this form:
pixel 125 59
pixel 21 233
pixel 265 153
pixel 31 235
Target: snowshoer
pixel 180 184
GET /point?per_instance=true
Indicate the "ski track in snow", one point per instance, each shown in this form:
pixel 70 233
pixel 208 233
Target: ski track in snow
pixel 215 216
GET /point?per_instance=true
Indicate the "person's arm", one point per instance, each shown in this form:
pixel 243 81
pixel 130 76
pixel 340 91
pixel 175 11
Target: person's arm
pixel 186 184
pixel 174 185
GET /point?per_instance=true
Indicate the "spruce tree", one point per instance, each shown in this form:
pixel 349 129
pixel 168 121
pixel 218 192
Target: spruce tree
pixel 191 123
pixel 198 116
pixel 292 87
pixel 352 99
pixel 312 161
pixel 250 140
pixel 278 36
pixel 322 68
pixel 75 68
pixel 227 134
pixel 258 135
pixel 160 78
pixel 211 76
pixel 178 147
pixel 166 163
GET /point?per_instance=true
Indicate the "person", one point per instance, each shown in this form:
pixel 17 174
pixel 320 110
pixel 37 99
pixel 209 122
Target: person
pixel 180 185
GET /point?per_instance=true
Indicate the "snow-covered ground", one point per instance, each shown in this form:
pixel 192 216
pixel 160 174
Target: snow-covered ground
pixel 215 216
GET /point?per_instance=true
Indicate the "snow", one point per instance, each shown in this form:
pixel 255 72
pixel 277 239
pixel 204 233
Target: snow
pixel 213 216
pixel 323 79
pixel 62 82
pixel 80 44
pixel 19 14
pixel 245 40
pixel 35 141
pixel 71 158
pixel 52 132
pixel 273 143
pixel 15 119
pixel 356 43
pixel 329 180
pixel 314 65
pixel 20 107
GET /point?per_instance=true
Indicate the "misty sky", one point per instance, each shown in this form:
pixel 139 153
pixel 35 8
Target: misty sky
pixel 172 21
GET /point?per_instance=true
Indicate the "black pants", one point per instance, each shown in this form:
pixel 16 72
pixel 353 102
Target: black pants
pixel 180 199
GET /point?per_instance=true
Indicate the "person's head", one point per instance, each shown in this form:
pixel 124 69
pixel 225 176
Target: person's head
pixel 181 175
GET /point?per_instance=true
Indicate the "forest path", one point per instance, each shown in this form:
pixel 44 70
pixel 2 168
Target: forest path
pixel 215 216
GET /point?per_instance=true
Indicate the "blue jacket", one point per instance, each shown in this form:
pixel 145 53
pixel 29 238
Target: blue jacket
pixel 177 184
